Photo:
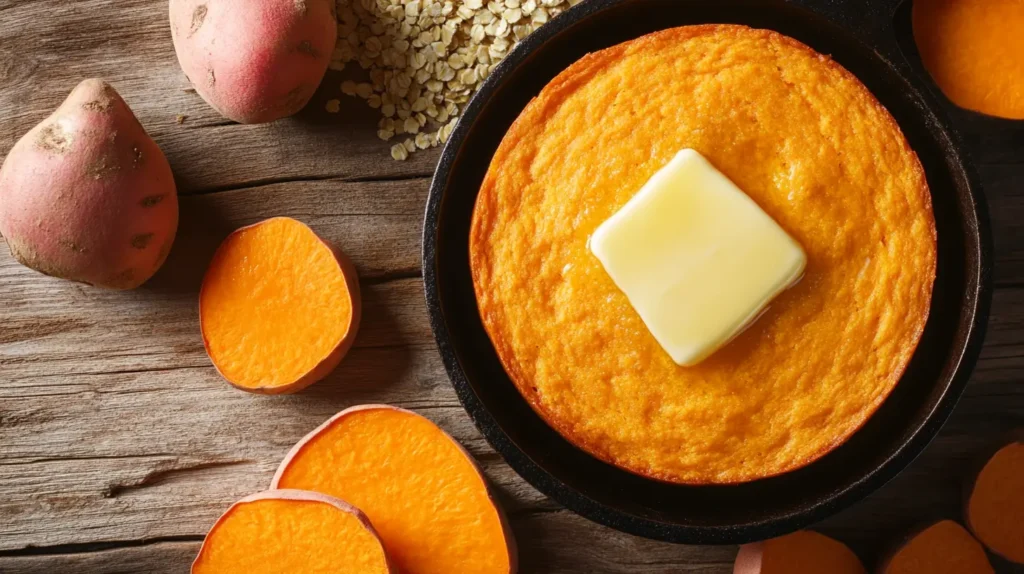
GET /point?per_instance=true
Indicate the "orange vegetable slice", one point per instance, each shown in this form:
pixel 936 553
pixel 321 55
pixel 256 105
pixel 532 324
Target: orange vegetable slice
pixel 974 49
pixel 803 552
pixel 995 503
pixel 279 308
pixel 291 531
pixel 421 490
pixel 942 548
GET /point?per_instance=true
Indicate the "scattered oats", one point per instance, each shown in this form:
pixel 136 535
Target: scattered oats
pixel 364 90
pixel 456 62
pixel 468 77
pixel 477 34
pixel 426 58
pixel 501 29
pixel 333 106
pixel 521 31
pixel 399 152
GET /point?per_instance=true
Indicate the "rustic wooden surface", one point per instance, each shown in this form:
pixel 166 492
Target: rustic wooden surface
pixel 119 444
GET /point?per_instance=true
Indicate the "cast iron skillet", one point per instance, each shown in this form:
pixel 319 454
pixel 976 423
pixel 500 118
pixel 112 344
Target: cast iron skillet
pixel 861 38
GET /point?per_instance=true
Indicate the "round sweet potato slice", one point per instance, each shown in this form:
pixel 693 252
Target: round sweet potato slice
pixel 995 503
pixel 803 552
pixel 291 531
pixel 945 547
pixel 279 307
pixel 422 491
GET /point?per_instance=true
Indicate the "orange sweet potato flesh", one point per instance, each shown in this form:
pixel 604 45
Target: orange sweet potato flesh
pixel 995 504
pixel 279 308
pixel 942 548
pixel 422 492
pixel 291 531
pixel 974 49
pixel 803 552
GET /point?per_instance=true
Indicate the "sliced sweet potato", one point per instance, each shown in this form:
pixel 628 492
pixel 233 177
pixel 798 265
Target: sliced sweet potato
pixel 421 490
pixel 803 552
pixel 995 503
pixel 945 547
pixel 279 307
pixel 291 531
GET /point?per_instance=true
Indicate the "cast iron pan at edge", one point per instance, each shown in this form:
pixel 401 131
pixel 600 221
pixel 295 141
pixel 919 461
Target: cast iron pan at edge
pixel 859 36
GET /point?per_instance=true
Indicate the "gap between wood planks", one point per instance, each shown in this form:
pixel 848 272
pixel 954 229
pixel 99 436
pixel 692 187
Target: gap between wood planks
pixel 87 547
pixel 300 179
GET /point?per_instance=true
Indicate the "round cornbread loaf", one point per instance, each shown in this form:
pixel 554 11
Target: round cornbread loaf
pixel 806 141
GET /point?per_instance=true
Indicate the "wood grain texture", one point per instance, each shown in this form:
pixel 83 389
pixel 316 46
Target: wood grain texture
pixel 120 445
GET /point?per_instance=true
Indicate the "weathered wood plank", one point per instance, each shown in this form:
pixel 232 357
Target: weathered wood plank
pixel 114 428
pixel 554 537
pixel 48 46
pixel 376 223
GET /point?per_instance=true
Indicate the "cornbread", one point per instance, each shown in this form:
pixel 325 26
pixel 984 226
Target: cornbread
pixel 812 147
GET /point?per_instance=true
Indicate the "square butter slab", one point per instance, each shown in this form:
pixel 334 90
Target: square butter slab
pixel 696 257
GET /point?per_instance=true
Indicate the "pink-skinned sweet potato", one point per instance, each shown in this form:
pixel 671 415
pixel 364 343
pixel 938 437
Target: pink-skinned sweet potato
pixel 87 195
pixel 254 61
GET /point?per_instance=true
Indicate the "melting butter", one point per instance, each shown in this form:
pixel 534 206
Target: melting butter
pixel 698 260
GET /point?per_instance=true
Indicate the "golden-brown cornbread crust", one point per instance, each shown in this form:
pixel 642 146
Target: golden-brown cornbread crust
pixel 808 142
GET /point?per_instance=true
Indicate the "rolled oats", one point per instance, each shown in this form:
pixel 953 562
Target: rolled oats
pixel 427 57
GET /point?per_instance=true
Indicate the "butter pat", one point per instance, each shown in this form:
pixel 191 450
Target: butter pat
pixel 696 257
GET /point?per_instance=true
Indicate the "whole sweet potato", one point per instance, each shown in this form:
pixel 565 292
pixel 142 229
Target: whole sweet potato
pixel 87 195
pixel 254 61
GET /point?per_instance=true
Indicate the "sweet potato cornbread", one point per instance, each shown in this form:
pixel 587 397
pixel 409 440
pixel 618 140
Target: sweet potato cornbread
pixel 807 142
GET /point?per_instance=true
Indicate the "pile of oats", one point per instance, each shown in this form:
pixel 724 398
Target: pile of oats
pixel 427 57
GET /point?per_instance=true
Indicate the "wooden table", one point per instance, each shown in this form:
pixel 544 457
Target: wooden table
pixel 120 444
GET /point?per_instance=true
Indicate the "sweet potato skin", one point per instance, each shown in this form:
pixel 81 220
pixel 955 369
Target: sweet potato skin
pixel 1016 438
pixel 825 554
pixel 330 362
pixel 291 494
pixel 295 450
pixel 87 195
pixel 254 61
pixel 890 556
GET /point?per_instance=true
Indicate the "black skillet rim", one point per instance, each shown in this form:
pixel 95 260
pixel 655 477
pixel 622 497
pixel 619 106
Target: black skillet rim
pixel 593 510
